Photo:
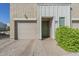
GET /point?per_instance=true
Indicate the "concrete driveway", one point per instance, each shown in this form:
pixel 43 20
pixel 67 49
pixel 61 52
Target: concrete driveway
pixel 33 47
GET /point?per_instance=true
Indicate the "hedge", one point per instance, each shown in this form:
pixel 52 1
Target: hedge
pixel 68 38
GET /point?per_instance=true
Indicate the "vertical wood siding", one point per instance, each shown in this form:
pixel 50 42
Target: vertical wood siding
pixel 55 11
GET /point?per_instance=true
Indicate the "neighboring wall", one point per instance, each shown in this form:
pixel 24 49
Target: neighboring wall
pixel 75 10
pixel 19 10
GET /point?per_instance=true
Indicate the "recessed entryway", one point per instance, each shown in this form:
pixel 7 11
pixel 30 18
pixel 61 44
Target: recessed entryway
pixel 46 22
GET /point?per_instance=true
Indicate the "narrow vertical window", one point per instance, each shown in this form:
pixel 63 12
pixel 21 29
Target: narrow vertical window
pixel 61 21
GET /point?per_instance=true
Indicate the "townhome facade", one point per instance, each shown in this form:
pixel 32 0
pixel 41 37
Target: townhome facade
pixel 40 20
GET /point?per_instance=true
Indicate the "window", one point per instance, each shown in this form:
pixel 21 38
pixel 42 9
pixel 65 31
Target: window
pixel 61 21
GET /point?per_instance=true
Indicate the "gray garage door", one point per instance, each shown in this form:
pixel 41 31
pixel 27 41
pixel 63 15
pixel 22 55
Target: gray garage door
pixel 27 30
pixel 75 24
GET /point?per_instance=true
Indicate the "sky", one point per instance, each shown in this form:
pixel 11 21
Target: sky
pixel 5 12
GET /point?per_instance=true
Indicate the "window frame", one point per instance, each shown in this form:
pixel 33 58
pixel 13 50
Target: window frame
pixel 62 18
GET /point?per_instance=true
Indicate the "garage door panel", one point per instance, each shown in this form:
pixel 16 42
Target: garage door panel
pixel 27 30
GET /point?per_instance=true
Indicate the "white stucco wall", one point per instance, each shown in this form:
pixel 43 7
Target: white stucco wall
pixel 19 10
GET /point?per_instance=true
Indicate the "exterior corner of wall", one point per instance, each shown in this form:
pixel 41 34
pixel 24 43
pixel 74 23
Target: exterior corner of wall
pixel 12 29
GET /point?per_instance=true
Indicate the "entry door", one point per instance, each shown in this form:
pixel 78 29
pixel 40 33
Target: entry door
pixel 45 29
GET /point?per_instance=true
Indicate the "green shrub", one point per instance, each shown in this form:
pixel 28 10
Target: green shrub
pixel 68 38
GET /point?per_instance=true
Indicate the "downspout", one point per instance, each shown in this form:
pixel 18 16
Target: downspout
pixel 70 15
